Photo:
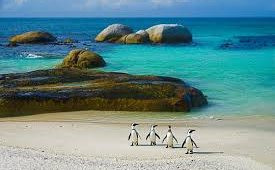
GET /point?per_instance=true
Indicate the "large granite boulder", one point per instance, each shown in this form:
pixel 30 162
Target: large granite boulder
pixel 33 37
pixel 113 33
pixel 163 33
pixel 59 90
pixel 82 59
pixel 169 33
pixel 140 37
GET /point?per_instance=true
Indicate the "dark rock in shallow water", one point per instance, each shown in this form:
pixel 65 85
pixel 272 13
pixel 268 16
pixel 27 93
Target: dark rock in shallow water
pixel 249 42
pixel 12 44
pixel 227 44
pixel 69 41
pixel 72 89
pixel 268 39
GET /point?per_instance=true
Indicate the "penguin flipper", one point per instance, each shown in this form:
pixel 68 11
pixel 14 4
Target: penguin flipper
pixel 157 135
pixel 175 139
pixel 183 143
pixel 129 136
pixel 164 138
pixel 148 136
pixel 194 143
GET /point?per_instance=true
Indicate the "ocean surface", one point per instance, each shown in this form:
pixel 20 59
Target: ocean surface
pixel 232 60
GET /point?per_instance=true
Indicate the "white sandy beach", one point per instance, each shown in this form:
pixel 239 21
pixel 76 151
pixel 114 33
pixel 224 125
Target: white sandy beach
pixel 48 142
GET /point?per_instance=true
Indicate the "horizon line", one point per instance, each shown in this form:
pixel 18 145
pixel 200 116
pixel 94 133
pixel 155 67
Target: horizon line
pixel 1 17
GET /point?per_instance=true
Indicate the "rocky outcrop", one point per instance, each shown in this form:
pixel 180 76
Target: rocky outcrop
pixel 82 59
pixel 163 33
pixel 113 33
pixel 140 37
pixel 72 90
pixel 169 33
pixel 33 37
pixel 69 41
pixel 248 42
pixel 143 33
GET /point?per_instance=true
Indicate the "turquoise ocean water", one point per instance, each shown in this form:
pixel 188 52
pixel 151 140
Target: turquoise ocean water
pixel 232 60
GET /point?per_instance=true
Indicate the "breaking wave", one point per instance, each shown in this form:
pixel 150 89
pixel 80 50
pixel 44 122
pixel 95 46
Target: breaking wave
pixel 30 55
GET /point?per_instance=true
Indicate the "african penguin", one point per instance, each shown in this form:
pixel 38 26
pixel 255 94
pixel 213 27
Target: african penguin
pixel 189 142
pixel 134 134
pixel 152 134
pixel 169 138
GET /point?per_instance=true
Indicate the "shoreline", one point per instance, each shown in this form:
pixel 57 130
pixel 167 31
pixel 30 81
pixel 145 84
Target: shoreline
pixel 226 140
pixel 126 117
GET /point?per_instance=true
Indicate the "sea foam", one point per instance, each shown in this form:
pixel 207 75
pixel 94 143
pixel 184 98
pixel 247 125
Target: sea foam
pixel 30 55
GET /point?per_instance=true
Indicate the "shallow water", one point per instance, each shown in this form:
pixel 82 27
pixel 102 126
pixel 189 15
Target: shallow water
pixel 239 78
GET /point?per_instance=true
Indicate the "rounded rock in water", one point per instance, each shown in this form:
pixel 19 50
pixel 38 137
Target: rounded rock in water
pixel 169 33
pixel 33 37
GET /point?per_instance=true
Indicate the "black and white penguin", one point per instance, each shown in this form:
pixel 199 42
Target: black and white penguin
pixel 134 135
pixel 153 135
pixel 170 138
pixel 189 142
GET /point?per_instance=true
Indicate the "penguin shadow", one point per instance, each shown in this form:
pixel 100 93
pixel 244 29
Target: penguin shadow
pixel 207 153
pixel 198 152
pixel 152 145
pixel 178 146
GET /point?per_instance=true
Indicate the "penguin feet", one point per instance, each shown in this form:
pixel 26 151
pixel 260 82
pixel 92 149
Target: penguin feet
pixel 189 152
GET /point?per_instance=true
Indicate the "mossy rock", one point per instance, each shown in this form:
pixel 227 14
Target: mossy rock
pixel 33 37
pixel 59 90
pixel 82 59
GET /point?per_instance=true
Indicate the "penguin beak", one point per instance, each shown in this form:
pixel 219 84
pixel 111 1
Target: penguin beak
pixel 192 130
pixel 135 124
pixel 155 125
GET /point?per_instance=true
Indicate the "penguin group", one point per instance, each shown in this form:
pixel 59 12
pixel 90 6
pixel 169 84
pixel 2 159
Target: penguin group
pixel 189 143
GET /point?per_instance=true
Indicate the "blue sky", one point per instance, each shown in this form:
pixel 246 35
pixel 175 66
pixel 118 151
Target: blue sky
pixel 137 8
